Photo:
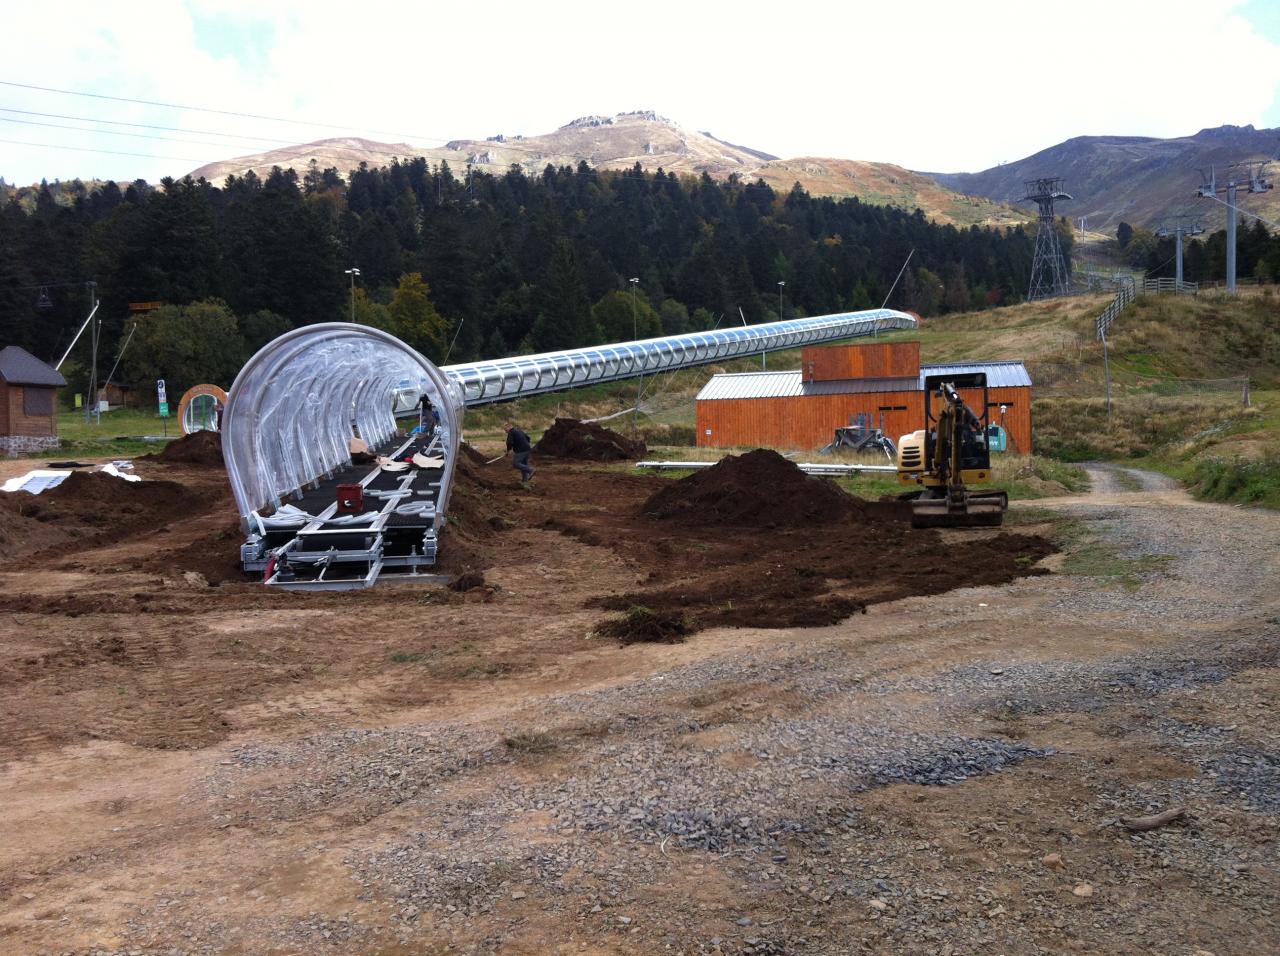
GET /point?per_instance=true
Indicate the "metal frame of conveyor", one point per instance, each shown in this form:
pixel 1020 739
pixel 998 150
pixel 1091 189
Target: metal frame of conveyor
pixel 328 551
pixel 295 405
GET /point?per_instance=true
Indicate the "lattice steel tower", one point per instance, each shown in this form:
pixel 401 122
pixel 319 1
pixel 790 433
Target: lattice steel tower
pixel 1048 268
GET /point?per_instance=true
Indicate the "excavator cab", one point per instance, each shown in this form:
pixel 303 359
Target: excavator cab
pixel 948 455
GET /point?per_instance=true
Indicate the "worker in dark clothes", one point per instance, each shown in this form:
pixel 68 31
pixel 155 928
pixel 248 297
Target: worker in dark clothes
pixel 428 418
pixel 519 445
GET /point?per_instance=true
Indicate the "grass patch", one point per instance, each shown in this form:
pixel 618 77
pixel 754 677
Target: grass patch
pixel 1238 480
pixel 119 434
pixel 1024 477
pixel 1098 559
pixel 463 661
pixel 1027 515
pixel 1127 480
pixel 1086 553
pixel 1078 429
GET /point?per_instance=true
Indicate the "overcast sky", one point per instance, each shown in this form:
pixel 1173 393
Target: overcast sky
pixel 941 86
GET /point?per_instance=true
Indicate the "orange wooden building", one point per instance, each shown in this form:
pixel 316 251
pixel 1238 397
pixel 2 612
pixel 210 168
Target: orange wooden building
pixel 801 409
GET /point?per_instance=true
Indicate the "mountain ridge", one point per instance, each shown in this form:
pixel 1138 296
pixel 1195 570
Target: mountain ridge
pixel 653 141
pixel 1141 180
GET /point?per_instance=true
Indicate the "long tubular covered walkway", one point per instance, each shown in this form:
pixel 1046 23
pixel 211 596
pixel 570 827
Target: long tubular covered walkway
pixel 295 406
pixel 505 379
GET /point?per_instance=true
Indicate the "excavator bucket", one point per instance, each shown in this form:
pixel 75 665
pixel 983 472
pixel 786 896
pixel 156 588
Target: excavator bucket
pixel 983 510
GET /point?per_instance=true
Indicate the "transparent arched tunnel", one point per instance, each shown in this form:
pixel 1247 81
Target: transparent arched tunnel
pixel 315 520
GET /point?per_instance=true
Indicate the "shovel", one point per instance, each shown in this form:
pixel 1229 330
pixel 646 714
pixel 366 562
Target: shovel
pixel 492 460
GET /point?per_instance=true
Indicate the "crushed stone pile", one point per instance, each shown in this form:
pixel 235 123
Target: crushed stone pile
pixel 758 488
pixel 588 441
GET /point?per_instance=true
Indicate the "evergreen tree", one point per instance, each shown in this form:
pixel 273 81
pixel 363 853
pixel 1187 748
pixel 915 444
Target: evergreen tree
pixel 564 312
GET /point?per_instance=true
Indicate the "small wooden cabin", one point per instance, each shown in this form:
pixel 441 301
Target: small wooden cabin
pixel 28 403
pixel 801 409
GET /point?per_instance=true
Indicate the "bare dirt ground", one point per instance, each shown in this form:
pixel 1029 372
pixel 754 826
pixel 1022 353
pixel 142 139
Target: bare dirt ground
pixel 196 769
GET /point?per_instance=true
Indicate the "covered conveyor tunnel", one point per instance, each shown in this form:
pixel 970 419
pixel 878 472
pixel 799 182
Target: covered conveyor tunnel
pixel 296 405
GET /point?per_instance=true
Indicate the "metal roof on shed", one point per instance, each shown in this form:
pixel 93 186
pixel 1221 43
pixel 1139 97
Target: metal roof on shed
pixel 20 367
pixel 731 385
pixel 999 374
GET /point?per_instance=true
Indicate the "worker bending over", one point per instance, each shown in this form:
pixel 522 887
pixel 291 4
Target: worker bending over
pixel 518 443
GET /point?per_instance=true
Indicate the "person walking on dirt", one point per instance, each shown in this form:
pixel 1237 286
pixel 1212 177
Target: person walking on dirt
pixel 522 448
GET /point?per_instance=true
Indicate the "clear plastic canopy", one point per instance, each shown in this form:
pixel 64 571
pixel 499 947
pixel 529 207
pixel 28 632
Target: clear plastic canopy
pixel 295 406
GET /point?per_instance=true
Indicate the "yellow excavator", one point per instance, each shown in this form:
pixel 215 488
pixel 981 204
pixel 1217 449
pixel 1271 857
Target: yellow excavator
pixel 947 456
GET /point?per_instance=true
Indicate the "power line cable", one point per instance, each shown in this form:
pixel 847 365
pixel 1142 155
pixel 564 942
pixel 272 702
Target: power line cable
pixel 351 131
pixel 109 152
pixel 168 129
pixel 282 152
pixel 206 109
pixel 1245 211
pixel 114 132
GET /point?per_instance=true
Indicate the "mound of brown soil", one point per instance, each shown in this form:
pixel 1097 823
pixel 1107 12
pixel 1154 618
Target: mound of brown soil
pixel 22 530
pixel 477 513
pixel 215 555
pixel 469 453
pixel 587 441
pixel 198 448
pixel 760 488
pixel 91 506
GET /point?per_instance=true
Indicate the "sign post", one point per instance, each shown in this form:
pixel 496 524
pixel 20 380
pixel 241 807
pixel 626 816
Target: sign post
pixel 164 405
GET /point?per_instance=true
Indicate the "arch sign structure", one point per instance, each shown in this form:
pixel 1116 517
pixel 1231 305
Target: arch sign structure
pixel 200 409
pixel 290 417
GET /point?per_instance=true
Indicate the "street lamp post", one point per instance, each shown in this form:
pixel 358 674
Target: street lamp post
pixel 764 361
pixel 353 272
pixel 635 335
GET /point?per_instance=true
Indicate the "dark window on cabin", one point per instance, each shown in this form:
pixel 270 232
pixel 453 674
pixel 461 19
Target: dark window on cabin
pixel 37 401
pixel 892 408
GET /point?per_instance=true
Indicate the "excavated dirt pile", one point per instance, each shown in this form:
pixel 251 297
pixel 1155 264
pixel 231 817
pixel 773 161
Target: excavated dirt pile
pixel 476 514
pixel 198 448
pixel 588 441
pixel 88 508
pixel 760 488
pixel 754 542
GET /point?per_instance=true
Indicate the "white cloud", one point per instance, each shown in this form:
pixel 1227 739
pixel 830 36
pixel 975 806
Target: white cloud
pixel 929 85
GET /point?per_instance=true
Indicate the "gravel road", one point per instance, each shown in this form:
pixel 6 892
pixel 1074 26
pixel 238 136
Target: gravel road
pixel 944 775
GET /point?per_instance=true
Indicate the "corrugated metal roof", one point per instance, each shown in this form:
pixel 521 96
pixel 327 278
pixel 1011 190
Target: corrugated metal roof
pixel 20 367
pixel 999 374
pixel 752 385
pixel 730 385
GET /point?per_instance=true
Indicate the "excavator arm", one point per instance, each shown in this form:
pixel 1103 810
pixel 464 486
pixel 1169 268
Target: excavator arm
pixel 942 460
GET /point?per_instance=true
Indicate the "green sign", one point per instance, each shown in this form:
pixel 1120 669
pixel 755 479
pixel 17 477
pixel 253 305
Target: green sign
pixel 164 409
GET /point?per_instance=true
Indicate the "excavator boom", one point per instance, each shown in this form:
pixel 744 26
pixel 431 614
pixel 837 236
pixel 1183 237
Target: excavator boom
pixel 941 461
